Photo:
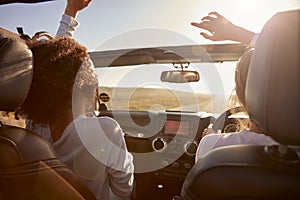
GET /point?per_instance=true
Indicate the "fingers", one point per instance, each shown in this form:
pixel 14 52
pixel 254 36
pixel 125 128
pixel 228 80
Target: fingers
pixel 87 2
pixel 204 25
pixel 208 18
pixel 215 14
pixel 212 16
pixel 198 25
pixel 219 17
pixel 218 28
pixel 73 6
pixel 207 131
pixel 204 133
pixel 206 36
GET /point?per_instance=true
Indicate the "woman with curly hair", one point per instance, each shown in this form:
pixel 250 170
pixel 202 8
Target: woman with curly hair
pixel 62 92
pixel 56 64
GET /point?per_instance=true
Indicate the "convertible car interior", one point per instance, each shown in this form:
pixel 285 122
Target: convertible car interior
pixel 168 139
pixel 164 142
pixel 239 172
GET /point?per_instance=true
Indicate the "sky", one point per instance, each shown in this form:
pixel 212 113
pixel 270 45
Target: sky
pixel 112 24
pixel 117 24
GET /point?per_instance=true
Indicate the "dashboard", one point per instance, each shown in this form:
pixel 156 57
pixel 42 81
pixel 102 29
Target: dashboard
pixel 163 145
pixel 165 132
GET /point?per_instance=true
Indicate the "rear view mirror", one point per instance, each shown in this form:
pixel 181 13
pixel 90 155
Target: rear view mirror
pixel 179 76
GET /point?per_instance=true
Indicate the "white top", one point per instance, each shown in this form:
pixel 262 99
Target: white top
pixel 67 26
pixel 95 149
pixel 215 140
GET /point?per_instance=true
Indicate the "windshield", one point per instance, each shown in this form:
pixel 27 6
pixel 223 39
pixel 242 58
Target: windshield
pixel 140 88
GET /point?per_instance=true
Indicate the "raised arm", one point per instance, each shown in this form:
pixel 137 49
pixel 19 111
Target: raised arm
pixel 73 6
pixel 68 23
pixel 221 29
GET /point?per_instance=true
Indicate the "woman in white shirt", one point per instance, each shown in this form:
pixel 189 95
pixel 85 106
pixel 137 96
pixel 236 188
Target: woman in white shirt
pixel 219 29
pixel 62 92
pixel 251 134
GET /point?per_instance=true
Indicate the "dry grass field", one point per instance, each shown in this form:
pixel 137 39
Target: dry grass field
pixel 142 99
pixel 155 99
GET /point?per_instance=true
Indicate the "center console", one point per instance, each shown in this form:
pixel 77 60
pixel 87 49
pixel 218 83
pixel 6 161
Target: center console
pixel 175 146
pixel 163 145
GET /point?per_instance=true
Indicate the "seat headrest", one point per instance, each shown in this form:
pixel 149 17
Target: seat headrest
pixel 273 84
pixel 16 70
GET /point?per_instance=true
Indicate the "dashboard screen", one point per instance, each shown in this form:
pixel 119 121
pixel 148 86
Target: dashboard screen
pixel 177 127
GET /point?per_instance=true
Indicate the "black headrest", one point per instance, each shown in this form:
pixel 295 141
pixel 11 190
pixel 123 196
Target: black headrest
pixel 15 70
pixel 273 86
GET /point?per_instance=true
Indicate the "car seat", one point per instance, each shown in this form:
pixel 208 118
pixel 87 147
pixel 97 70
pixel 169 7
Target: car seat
pixel 273 102
pixel 29 168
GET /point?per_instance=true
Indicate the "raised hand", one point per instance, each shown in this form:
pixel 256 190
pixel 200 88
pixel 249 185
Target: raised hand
pixel 73 6
pixel 221 29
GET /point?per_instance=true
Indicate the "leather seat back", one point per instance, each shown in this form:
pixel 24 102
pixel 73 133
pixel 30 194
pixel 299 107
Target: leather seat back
pixel 29 168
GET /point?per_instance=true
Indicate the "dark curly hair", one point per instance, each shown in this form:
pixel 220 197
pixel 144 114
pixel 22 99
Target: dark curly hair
pixel 57 69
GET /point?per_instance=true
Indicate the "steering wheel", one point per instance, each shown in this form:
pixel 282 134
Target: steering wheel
pixel 223 120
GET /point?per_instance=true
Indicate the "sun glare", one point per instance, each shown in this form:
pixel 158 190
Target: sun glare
pixel 250 14
pixel 255 13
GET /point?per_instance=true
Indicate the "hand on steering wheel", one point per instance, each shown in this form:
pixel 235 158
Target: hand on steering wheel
pixel 222 120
